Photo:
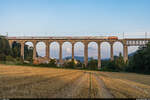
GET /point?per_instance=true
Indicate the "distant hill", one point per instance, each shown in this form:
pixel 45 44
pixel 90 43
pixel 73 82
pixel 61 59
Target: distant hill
pixel 81 58
pixel 131 54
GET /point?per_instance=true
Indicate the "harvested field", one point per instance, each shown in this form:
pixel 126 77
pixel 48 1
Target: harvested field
pixel 33 82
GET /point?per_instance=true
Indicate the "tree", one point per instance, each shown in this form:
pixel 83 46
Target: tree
pixel 28 53
pixel 92 64
pixel 119 62
pixel 79 64
pixel 4 48
pixel 69 64
pixel 16 50
pixel 52 63
pixel 140 61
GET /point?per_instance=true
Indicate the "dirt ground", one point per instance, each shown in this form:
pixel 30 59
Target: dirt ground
pixel 33 82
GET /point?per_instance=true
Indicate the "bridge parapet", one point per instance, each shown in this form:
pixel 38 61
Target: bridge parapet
pixel 137 42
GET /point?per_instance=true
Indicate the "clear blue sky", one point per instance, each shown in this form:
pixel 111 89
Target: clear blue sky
pixel 73 17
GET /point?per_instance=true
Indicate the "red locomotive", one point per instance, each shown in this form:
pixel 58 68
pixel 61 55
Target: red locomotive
pixel 113 38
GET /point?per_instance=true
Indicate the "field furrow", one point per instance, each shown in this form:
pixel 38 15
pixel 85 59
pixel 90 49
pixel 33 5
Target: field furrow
pixel 121 89
pixel 44 88
pixel 33 82
pixel 103 92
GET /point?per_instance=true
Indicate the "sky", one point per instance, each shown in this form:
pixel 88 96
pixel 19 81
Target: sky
pixel 75 18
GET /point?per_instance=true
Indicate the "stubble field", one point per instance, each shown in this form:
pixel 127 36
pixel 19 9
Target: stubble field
pixel 32 82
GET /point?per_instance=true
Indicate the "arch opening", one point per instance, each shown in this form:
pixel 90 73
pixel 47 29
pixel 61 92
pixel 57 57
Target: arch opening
pixel 79 51
pixel 54 50
pixel 105 50
pixel 28 51
pixel 16 49
pixel 117 49
pixel 93 50
pixel 67 50
pixel 40 49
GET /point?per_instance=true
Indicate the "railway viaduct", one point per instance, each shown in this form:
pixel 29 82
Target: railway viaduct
pixel 85 40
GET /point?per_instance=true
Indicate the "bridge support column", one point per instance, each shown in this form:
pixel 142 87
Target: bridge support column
pixel 99 55
pixel 60 53
pixel 10 44
pixel 34 50
pixel 72 51
pixel 86 54
pixel 125 53
pixel 22 50
pixel 111 52
pixel 47 50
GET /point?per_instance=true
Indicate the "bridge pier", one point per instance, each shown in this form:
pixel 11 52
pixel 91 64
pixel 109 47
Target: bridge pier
pixel 47 50
pixel 72 51
pixel 125 53
pixel 85 54
pixel 111 52
pixel 22 50
pixel 10 43
pixel 60 53
pixel 34 50
pixel 99 55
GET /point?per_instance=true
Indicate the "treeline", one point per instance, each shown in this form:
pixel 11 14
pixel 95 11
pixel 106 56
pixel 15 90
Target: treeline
pixel 117 64
pixel 139 62
pixel 13 54
pixel 5 51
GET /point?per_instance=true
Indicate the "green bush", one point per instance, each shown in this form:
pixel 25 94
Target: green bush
pixel 92 64
pixel 79 64
pixel 69 64
pixel 52 63
pixel 2 57
pixel 9 58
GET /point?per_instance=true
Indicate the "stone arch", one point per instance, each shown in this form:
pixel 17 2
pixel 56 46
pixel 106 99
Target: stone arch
pixel 92 50
pixel 105 50
pixel 66 49
pixel 117 48
pixel 16 49
pixel 79 50
pixel 41 49
pixel 54 50
pixel 28 50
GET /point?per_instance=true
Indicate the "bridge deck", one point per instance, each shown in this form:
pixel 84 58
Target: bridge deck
pixel 70 37
pixel 61 37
